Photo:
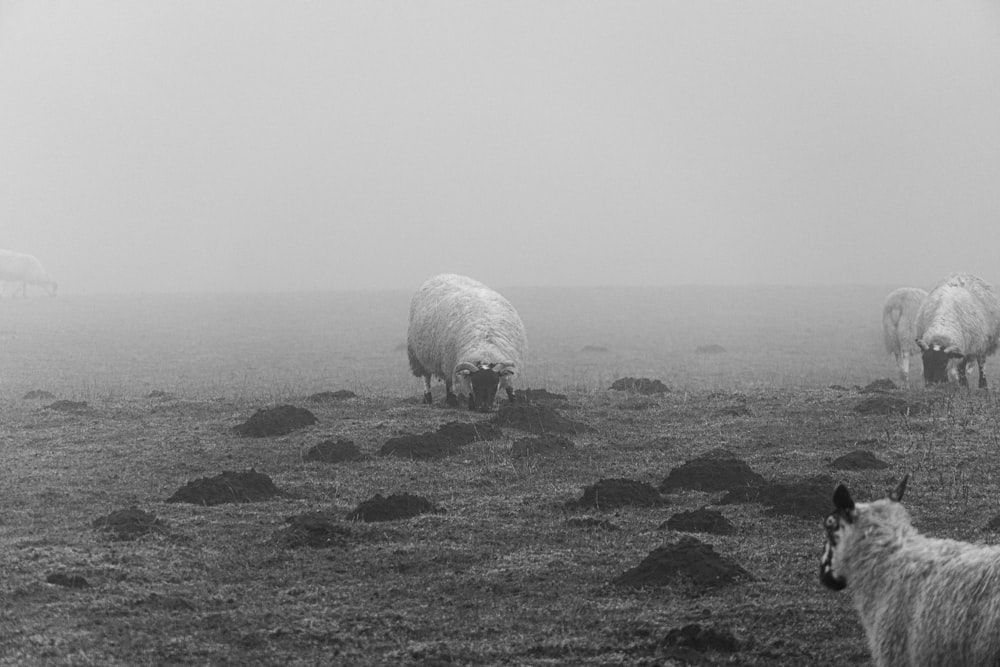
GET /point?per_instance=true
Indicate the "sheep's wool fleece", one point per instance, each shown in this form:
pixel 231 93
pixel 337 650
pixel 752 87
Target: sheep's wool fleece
pixel 16 267
pixel 964 311
pixel 454 318
pixel 899 315
pixel 922 601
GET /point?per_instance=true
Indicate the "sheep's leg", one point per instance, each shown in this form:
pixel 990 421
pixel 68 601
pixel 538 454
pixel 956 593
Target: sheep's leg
pixel 510 394
pixel 962 379
pixel 982 374
pixel 903 361
pixel 427 390
pixel 450 398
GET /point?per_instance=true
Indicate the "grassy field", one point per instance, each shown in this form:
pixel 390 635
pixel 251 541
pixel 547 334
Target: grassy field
pixel 500 576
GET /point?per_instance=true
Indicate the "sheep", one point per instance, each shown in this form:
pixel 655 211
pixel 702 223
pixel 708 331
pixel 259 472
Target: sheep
pixel 467 335
pixel 959 319
pixel 922 600
pixel 899 314
pixel 17 267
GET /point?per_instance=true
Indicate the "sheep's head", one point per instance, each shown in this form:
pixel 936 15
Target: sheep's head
pixel 484 381
pixel 847 521
pixel 936 360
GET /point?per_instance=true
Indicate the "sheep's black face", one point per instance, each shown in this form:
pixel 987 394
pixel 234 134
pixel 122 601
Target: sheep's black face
pixel 485 383
pixel 935 365
pixel 835 525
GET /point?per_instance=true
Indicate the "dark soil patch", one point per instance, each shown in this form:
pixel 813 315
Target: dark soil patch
pixel 542 445
pixel 532 395
pixel 329 451
pixel 612 493
pixel 280 420
pixel 994 523
pixel 636 403
pixel 446 441
pixel 536 419
pixel 688 643
pixel 738 410
pixel 397 506
pixel 594 349
pixel 39 394
pixel 159 394
pixel 590 522
pixel 859 459
pixel 883 404
pixel 710 349
pixel 318 530
pixel 717 470
pixel 67 580
pixel 806 499
pixel 640 386
pixel 74 407
pixel 839 387
pixel 229 487
pixel 688 561
pixel 701 520
pixel 332 396
pixel 129 524
pixel 879 386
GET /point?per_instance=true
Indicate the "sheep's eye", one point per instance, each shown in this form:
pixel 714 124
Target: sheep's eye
pixel 831 522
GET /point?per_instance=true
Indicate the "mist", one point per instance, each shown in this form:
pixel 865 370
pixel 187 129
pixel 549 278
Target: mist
pixel 269 147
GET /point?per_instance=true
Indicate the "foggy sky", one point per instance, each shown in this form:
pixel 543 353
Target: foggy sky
pixel 248 145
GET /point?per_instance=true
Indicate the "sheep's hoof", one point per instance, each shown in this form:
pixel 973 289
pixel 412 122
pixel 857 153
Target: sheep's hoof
pixel 427 398
pixel 451 400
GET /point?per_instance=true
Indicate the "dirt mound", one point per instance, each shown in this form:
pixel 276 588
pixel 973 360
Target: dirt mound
pixel 73 407
pixel 446 441
pixel 329 451
pixel 640 385
pixel 594 349
pixel 688 561
pixel 701 520
pixel 129 524
pixel 229 487
pixel 883 404
pixel 688 643
pixel 536 419
pixel 859 459
pixel 318 530
pixel 636 403
pixel 160 394
pixel 709 349
pixel 397 506
pixel 542 445
pixel 39 394
pixel 879 386
pixel 67 580
pixel 807 498
pixel 609 494
pixel 532 395
pixel 590 522
pixel 280 420
pixel 331 396
pixel 716 470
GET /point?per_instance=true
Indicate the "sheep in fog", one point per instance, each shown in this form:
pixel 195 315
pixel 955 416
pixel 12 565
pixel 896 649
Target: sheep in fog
pixel 467 335
pixel 922 601
pixel 899 316
pixel 22 269
pixel 959 319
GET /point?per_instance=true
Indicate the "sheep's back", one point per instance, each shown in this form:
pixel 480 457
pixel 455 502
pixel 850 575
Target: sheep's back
pixel 899 315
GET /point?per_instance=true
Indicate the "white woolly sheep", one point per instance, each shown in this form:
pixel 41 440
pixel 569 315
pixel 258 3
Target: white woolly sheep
pixel 922 601
pixel 959 319
pixel 17 267
pixel 466 334
pixel 899 314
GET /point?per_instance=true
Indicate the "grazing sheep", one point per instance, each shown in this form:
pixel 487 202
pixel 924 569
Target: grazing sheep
pixel 899 315
pixel 922 601
pixel 463 332
pixel 959 319
pixel 17 267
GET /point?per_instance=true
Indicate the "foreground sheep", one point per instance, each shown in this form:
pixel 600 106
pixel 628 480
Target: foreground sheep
pixel 899 314
pixel 922 600
pixel 17 267
pixel 464 333
pixel 959 319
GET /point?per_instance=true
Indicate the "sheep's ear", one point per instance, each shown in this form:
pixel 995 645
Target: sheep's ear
pixel 508 370
pixel 897 495
pixel 954 353
pixel 922 345
pixel 842 498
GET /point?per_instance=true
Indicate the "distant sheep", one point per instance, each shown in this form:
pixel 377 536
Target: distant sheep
pixel 922 601
pixel 899 316
pixel 17 267
pixel 467 335
pixel 959 319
